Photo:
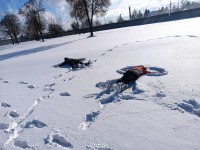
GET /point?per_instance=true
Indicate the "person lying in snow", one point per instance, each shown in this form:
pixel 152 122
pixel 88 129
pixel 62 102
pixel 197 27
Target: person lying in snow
pixel 133 74
pixel 74 63
pixel 128 80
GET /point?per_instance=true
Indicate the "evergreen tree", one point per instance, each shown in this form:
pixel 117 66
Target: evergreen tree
pixel 134 14
pixel 139 15
pixel 146 12
pixel 120 18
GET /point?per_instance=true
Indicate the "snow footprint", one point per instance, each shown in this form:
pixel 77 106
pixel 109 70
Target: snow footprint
pixel 3 104
pixel 192 36
pixel 191 106
pixel 89 118
pixel 65 94
pixel 48 87
pixel 92 116
pixel 23 82
pixel 159 94
pixel 98 147
pixel 35 123
pixel 31 86
pixel 3 126
pixel 69 79
pixel 58 140
pixel 102 85
pixel 56 77
pixel 21 144
pixel 13 114
pixel 91 95
pixel 110 50
pixel 125 44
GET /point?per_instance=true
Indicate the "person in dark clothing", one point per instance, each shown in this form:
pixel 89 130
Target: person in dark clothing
pixel 133 74
pixel 74 63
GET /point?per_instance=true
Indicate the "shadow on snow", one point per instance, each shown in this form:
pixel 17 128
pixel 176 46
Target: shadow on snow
pixel 33 50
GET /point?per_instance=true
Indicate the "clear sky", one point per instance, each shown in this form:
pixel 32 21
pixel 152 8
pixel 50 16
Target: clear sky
pixel 60 8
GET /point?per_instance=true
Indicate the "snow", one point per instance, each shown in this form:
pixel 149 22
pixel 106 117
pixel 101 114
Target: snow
pixel 44 107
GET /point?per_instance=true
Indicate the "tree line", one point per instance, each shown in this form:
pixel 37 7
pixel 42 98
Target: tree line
pixel 82 12
pixel 180 6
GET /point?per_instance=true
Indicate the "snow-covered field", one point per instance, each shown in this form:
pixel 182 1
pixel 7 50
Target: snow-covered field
pixel 43 107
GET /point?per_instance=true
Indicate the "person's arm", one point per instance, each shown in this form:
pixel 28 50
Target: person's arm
pixel 147 72
pixel 62 64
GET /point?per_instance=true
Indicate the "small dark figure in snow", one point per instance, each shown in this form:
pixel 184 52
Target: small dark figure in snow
pixel 128 80
pixel 74 63
pixel 133 74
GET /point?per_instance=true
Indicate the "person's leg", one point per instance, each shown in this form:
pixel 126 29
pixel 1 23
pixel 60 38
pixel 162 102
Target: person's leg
pixel 78 63
pixel 62 64
pixel 88 63
pixel 119 80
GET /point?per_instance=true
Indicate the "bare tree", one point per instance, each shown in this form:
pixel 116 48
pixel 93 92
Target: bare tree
pixel 87 9
pixel 33 11
pixel 10 25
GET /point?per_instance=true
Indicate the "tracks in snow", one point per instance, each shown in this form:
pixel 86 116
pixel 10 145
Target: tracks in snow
pixel 15 128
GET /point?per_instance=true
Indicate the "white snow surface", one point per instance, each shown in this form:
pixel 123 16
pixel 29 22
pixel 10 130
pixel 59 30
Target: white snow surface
pixel 43 107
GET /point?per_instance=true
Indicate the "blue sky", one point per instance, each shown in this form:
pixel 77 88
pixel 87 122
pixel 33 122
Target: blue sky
pixel 59 8
pixel 10 5
pixel 14 5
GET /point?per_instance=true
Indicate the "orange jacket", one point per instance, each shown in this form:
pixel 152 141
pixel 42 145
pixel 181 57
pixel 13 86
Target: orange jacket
pixel 140 69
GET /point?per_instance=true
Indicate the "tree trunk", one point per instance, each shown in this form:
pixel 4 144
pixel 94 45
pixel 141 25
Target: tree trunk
pixel 39 25
pixel 41 36
pixel 16 39
pixel 36 32
pixel 36 36
pixel 15 35
pixel 91 21
pixel 91 30
pixel 39 31
pixel 88 17
pixel 78 26
pixel 11 39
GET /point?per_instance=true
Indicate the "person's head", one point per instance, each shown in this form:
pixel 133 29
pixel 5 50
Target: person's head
pixel 66 59
pixel 142 67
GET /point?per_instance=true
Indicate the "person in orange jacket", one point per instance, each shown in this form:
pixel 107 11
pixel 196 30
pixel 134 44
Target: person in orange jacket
pixel 133 74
